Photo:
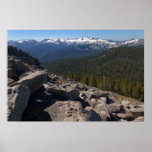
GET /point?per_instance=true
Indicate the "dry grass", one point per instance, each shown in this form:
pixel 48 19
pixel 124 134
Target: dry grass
pixel 62 80
pixel 119 98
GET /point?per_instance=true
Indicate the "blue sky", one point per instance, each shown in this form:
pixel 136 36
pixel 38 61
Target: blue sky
pixel 118 35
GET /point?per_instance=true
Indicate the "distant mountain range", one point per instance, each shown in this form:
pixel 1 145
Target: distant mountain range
pixel 54 49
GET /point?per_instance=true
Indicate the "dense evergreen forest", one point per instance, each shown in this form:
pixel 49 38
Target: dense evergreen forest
pixel 119 69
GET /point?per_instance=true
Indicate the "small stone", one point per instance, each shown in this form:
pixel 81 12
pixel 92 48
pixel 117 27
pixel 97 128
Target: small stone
pixel 125 102
pixel 137 112
pixel 139 119
pixel 125 116
pixel 114 108
pixel 122 120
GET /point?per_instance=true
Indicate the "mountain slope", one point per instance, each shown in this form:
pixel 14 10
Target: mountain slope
pixel 119 65
pixel 51 49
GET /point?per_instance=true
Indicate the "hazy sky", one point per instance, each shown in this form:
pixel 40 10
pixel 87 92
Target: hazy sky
pixel 104 34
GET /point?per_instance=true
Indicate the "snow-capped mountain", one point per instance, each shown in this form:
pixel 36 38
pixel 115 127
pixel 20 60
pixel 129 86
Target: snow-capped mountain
pixel 77 46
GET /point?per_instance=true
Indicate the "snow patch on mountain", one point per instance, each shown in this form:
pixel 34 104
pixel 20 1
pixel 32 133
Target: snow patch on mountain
pixel 81 41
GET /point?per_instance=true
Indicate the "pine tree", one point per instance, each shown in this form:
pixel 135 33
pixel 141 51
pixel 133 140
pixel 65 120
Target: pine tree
pixel 123 88
pixel 111 84
pixel 92 81
pixel 100 83
pixel 116 85
pixel 136 91
pixel 70 75
pixel 85 79
pixel 142 94
pixel 129 88
pixel 75 77
pixel 104 83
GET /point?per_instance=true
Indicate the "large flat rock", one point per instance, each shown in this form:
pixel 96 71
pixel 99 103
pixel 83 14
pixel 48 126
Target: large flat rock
pixel 67 111
pixel 17 102
pixel 34 80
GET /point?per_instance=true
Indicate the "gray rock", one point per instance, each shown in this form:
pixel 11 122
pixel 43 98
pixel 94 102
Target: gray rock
pixel 81 86
pixel 72 94
pixel 139 119
pixel 94 116
pixel 10 72
pixel 99 93
pixel 114 108
pixel 17 102
pixel 10 81
pixel 82 95
pixel 60 91
pixel 21 67
pixel 141 105
pixel 104 99
pixel 88 94
pixel 101 108
pixel 67 111
pixel 46 86
pixel 126 109
pixel 125 103
pixel 19 55
pixel 57 92
pixel 122 120
pixel 17 67
pixel 131 106
pixel 126 116
pixel 92 102
pixel 34 80
pixel 137 112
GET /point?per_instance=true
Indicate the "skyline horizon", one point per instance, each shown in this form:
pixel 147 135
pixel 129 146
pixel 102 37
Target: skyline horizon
pixel 75 38
pixel 115 35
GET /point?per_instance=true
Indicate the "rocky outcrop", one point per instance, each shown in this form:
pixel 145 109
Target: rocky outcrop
pixel 25 87
pixel 71 101
pixel 24 57
pixel 17 102
pixel 25 76
pixel 20 62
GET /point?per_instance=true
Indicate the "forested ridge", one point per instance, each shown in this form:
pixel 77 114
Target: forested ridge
pixel 119 69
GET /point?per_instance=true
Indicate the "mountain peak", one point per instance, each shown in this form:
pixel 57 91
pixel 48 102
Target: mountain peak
pixel 53 48
pixel 86 38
